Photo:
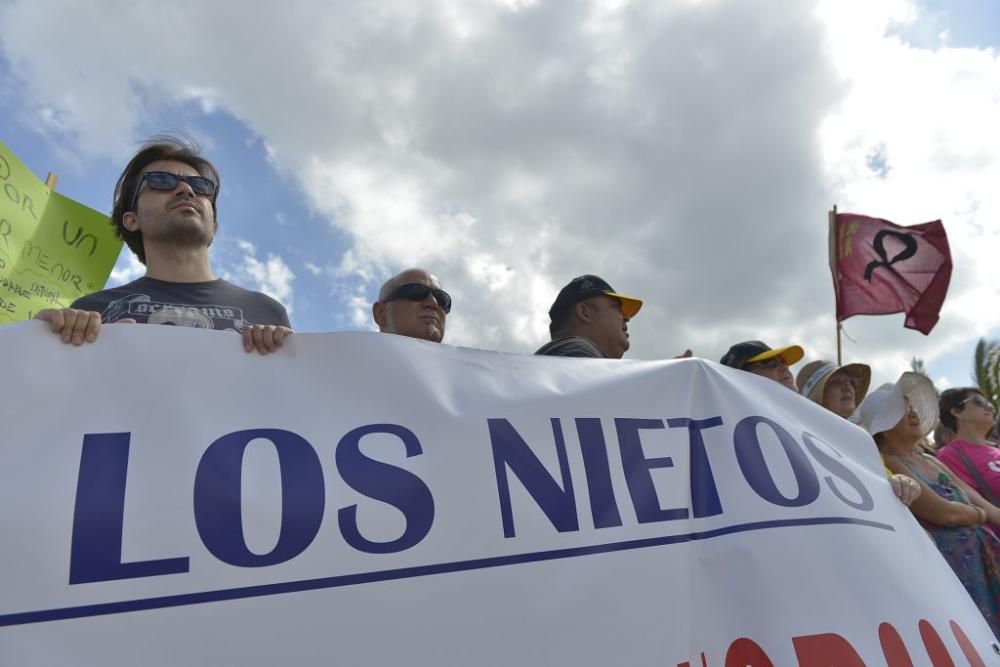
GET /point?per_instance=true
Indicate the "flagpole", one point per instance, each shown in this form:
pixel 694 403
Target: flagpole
pixel 833 267
pixel 839 362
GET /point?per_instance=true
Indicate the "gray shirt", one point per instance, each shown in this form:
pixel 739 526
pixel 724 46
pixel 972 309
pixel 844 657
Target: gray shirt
pixel 215 304
pixel 571 346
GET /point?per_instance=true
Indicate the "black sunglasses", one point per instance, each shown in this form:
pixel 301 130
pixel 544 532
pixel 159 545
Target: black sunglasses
pixel 164 181
pixel 978 400
pixel 418 292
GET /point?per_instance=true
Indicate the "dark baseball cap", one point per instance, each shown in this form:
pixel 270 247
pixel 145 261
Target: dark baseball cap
pixel 752 351
pixel 586 286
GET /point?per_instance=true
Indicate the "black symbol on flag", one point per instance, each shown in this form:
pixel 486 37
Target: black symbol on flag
pixel 908 251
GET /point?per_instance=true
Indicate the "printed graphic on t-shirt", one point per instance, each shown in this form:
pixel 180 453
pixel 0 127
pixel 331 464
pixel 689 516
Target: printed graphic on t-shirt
pixel 994 466
pixel 143 309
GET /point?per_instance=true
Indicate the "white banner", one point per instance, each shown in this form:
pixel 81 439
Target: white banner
pixel 368 499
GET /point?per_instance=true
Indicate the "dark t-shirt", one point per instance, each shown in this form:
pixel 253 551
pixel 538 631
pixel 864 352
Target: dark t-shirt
pixel 216 304
pixel 571 346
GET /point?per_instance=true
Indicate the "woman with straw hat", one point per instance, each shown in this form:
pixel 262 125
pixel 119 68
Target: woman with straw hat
pixel 839 389
pixel 898 416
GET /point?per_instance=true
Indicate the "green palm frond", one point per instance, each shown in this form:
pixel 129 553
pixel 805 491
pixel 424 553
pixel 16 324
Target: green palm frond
pixel 986 369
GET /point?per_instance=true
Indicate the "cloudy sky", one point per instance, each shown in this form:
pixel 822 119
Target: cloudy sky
pixel 686 150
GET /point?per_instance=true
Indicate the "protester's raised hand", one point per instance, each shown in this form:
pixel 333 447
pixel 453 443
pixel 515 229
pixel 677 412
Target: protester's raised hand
pixel 264 338
pixel 75 326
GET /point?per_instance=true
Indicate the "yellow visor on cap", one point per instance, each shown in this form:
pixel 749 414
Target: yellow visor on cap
pixel 790 355
pixel 630 305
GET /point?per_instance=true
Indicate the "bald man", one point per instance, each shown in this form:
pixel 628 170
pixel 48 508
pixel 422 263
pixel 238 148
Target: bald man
pixel 412 304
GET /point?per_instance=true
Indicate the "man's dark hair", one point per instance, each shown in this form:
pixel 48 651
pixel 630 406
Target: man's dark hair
pixel 952 399
pixel 158 148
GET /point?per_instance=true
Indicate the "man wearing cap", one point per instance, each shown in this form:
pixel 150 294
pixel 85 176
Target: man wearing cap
pixel 759 358
pixel 839 389
pixel 412 304
pixel 590 319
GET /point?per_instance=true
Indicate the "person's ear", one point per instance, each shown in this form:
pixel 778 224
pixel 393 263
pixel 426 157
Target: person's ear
pixel 130 221
pixel 378 314
pixel 582 311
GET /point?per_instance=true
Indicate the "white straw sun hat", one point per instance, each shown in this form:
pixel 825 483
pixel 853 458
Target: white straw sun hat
pixel 883 408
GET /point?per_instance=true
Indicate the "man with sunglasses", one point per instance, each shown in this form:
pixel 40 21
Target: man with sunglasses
pixel 412 304
pixel 590 319
pixel 165 210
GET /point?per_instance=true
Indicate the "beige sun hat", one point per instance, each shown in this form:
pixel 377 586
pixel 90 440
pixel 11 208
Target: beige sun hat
pixel 883 408
pixel 811 380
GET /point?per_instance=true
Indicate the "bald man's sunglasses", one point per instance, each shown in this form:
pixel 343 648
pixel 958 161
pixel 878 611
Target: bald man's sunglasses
pixel 164 181
pixel 418 292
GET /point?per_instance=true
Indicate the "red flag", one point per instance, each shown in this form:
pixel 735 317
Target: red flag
pixel 880 268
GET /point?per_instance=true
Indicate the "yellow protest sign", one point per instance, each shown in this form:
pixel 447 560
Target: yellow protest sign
pixel 53 250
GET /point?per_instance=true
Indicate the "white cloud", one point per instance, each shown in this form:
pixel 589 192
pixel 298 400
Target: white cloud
pixel 271 276
pixel 686 151
pixel 929 114
pixel 126 269
pixel 359 308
